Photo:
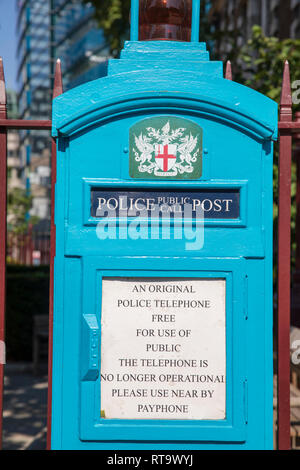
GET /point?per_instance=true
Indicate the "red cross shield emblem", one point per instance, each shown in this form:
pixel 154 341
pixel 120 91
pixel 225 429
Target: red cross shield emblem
pixel 165 156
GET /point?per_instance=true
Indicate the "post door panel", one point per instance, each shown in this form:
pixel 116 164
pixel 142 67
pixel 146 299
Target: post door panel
pixel 229 424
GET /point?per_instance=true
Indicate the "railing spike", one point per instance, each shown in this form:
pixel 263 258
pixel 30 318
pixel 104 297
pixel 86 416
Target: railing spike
pixel 286 95
pixel 58 83
pixel 2 90
pixel 228 73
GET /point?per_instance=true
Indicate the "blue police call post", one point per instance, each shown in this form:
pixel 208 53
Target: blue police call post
pixel 163 268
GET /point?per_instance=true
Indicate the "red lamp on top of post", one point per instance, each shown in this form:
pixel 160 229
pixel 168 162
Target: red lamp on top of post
pixel 168 20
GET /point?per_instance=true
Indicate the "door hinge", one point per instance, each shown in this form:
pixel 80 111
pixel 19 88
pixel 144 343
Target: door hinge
pixel 90 344
pixel 245 387
pixel 245 307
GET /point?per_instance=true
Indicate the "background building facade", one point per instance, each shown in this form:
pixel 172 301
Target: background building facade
pixel 15 168
pixel 76 39
pixel 34 83
pixel 279 18
pixel 48 29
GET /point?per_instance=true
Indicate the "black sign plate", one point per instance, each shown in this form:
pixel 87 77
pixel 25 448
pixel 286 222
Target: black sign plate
pixel 202 203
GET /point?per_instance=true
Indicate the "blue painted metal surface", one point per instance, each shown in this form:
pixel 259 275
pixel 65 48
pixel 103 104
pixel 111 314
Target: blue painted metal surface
pixel 134 20
pixel 92 123
pixel 195 20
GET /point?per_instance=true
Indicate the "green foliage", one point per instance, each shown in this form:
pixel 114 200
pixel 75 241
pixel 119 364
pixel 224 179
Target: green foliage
pixel 18 206
pixel 113 18
pixel 261 62
pixel 260 65
pixel 27 295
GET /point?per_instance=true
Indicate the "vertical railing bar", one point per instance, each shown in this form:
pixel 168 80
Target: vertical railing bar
pixel 196 20
pixel 23 256
pixel 134 20
pixel 30 246
pixel 45 248
pixel 15 249
pixel 41 247
pixel 284 268
pixel 57 90
pixel 48 248
pixel 25 252
pixel 27 247
pixel 3 211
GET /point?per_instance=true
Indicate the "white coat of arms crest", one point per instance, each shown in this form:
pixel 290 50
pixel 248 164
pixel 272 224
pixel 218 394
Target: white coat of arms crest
pixel 166 148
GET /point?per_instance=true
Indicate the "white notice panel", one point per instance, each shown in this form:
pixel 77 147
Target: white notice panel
pixel 163 348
